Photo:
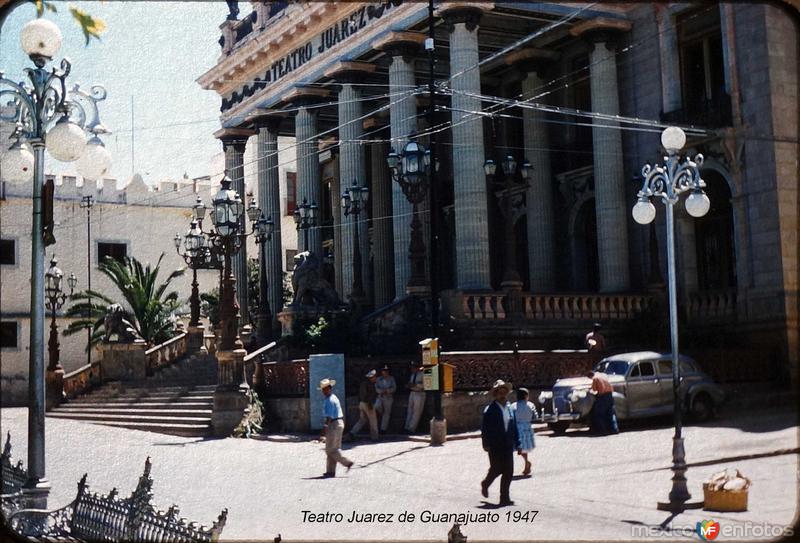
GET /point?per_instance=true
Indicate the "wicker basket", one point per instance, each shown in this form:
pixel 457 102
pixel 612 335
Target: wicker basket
pixel 728 501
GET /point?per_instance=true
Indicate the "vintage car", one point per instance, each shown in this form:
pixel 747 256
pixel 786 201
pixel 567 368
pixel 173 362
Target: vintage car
pixel 642 383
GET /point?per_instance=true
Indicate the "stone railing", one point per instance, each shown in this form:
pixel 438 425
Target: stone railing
pixel 81 380
pixel 253 362
pixel 477 370
pixel 286 379
pixel 500 306
pixel 713 305
pixel 165 354
pixel 96 517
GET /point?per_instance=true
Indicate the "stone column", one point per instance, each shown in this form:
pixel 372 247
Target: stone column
pixel 471 208
pixel 381 197
pixel 308 175
pixel 352 168
pixel 269 200
pixel 234 167
pixel 609 175
pixel 402 122
pixel 539 196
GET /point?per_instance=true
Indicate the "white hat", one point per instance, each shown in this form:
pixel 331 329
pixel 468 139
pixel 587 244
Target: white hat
pixel 325 383
pixel 371 373
pixel 501 384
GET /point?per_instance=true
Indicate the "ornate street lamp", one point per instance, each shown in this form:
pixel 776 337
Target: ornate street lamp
pixel 54 300
pixel 263 231
pixel 229 233
pixel 410 170
pixel 668 182
pixel 46 116
pixel 354 199
pixel 196 254
pixel 511 199
pixel 305 218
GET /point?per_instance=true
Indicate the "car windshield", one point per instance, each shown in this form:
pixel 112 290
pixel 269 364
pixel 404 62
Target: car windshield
pixel 612 367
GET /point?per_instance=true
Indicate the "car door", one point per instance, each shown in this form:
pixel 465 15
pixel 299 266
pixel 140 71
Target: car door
pixel 643 389
pixel 666 400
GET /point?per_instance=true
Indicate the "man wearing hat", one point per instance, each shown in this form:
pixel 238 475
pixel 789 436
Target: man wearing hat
pixel 334 426
pixel 500 439
pixel 385 386
pixel 366 406
pixel 416 398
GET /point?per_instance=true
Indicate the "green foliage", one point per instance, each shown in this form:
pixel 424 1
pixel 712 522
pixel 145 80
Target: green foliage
pixel 91 26
pixel 253 420
pixel 331 333
pixel 209 305
pixel 148 306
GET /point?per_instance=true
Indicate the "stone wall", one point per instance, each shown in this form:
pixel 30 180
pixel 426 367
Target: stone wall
pixel 287 415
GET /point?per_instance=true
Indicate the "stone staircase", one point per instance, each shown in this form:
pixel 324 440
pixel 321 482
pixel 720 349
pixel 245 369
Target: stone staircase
pixel 177 400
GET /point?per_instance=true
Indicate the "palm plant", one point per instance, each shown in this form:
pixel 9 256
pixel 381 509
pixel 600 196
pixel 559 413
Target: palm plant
pixel 148 304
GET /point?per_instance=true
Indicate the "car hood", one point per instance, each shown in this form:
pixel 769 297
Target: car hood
pixel 585 382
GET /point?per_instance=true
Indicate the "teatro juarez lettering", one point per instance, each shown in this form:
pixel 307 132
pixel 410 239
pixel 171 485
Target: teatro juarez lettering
pixel 331 36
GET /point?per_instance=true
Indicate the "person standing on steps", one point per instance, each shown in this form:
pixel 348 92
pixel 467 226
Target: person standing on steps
pixel 386 386
pixel 594 341
pixel 334 427
pixel 416 398
pixel 500 439
pixel 367 395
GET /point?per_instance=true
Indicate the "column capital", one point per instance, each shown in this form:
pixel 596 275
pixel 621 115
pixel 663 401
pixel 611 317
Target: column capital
pixel 600 29
pixel 346 72
pixel 302 96
pixel 234 137
pixel 531 59
pixel 401 44
pixel 266 118
pixel 468 13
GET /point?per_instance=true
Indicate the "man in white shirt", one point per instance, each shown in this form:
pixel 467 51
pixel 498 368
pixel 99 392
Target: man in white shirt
pixel 416 398
pixel 385 387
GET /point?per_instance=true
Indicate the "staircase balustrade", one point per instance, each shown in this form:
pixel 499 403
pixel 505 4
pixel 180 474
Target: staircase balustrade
pixel 494 306
pixel 712 305
pixel 81 380
pixel 165 354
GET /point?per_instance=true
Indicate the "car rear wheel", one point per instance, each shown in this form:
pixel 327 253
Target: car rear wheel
pixel 559 427
pixel 702 407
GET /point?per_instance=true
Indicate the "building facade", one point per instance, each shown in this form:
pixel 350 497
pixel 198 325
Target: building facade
pixel 582 94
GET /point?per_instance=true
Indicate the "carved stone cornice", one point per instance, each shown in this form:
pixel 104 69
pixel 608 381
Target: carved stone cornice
pixel 350 72
pixel 234 137
pixel 266 118
pixel 305 96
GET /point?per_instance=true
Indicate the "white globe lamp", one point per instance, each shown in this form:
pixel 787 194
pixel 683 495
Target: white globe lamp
pixel 16 164
pixel 697 204
pixel 40 38
pixel 95 162
pixel 66 141
pixel 673 139
pixel 644 211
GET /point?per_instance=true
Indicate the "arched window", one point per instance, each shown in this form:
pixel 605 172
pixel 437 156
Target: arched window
pixel 716 255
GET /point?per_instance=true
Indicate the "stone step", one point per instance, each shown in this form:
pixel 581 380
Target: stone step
pixel 88 400
pixel 183 430
pixel 201 411
pixel 160 418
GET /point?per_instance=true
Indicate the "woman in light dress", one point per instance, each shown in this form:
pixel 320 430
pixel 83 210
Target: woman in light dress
pixel 525 412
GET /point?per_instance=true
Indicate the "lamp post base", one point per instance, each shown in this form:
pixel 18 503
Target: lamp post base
pixel 438 431
pixel 679 497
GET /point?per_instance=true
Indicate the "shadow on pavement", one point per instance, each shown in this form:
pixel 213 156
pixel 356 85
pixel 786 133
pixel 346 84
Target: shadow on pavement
pixel 368 464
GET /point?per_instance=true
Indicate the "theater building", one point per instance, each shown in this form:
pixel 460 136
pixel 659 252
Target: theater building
pixel 580 92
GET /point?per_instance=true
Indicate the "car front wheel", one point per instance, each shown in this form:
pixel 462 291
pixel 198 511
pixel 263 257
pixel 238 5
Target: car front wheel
pixel 702 408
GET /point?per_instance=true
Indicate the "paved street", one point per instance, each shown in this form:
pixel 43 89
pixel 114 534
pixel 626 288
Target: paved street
pixel 583 487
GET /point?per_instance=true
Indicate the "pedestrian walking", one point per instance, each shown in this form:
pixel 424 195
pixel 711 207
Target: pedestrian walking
pixel 500 439
pixel 366 406
pixel 603 415
pixel 334 426
pixel 524 413
pixel 595 341
pixel 385 387
pixel 416 398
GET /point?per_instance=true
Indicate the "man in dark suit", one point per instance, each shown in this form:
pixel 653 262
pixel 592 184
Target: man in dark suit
pixel 500 440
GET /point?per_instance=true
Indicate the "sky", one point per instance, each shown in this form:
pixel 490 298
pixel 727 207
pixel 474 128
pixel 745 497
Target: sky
pixel 150 55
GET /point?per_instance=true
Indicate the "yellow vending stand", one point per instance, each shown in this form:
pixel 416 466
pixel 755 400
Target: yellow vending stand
pixel 430 363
